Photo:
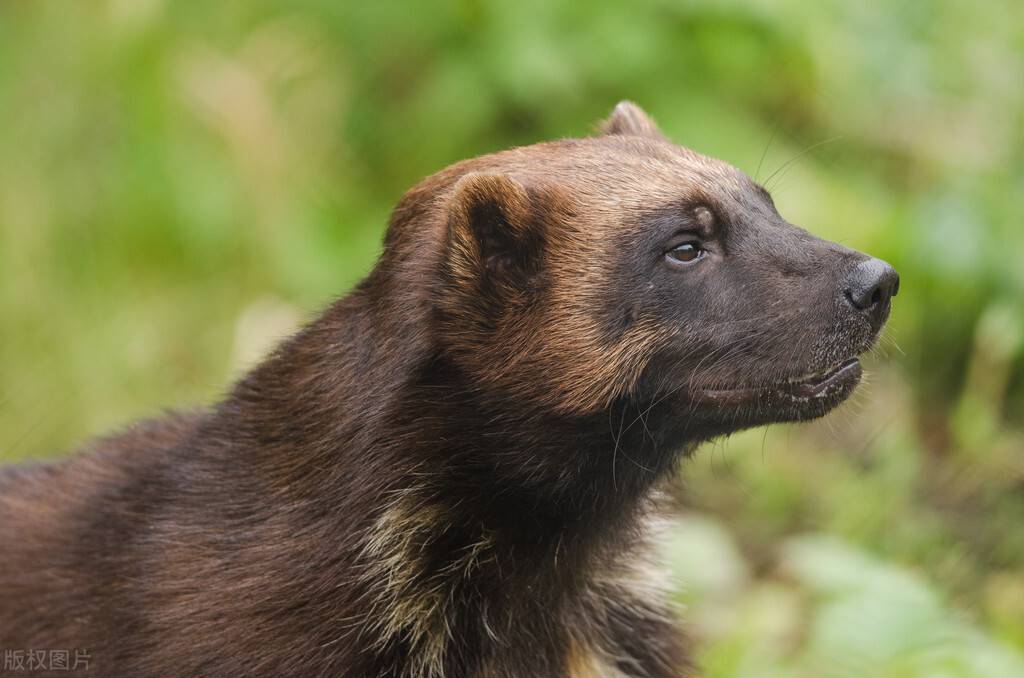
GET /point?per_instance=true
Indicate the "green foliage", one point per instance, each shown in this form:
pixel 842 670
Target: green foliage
pixel 178 179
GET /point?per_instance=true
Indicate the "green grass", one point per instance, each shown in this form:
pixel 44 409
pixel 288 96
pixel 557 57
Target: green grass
pixel 181 183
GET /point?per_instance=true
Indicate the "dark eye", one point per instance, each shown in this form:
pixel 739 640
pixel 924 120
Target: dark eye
pixel 686 253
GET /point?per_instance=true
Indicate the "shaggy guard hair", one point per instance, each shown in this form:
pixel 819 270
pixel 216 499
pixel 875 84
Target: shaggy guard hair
pixel 454 470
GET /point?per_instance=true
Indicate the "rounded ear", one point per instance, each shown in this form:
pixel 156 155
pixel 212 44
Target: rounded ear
pixel 492 236
pixel 629 119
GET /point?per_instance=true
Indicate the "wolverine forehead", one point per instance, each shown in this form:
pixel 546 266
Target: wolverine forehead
pixel 619 176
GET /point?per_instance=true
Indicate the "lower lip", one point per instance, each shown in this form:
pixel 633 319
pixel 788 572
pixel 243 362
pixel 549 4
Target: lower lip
pixel 842 378
pixel 847 372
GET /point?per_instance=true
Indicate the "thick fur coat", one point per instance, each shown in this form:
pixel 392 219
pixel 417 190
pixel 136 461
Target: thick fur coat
pixel 454 470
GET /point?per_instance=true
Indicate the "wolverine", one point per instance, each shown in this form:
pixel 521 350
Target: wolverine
pixel 455 470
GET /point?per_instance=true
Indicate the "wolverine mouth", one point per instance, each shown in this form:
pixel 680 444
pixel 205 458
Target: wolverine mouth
pixel 827 388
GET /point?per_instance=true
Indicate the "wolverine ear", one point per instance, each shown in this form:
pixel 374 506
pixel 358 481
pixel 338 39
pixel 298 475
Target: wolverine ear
pixel 629 119
pixel 492 235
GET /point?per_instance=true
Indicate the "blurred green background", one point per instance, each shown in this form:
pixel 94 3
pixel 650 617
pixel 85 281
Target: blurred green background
pixel 183 183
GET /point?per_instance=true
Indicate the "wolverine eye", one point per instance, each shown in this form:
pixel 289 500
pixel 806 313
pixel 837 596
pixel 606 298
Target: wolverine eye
pixel 686 253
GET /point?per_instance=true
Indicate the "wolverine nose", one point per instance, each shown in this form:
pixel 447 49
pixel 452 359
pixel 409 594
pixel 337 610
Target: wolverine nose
pixel 870 286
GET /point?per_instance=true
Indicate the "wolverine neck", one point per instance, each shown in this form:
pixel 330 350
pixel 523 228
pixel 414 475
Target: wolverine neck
pixel 360 391
pixel 534 476
pixel 459 499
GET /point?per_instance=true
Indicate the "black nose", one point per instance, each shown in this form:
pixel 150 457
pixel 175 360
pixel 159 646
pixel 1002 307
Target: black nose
pixel 870 286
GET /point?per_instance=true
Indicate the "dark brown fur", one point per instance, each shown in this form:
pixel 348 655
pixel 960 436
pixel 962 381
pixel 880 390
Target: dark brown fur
pixel 451 472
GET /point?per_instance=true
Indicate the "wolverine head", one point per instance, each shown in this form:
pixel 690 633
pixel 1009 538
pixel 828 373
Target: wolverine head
pixel 574 273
